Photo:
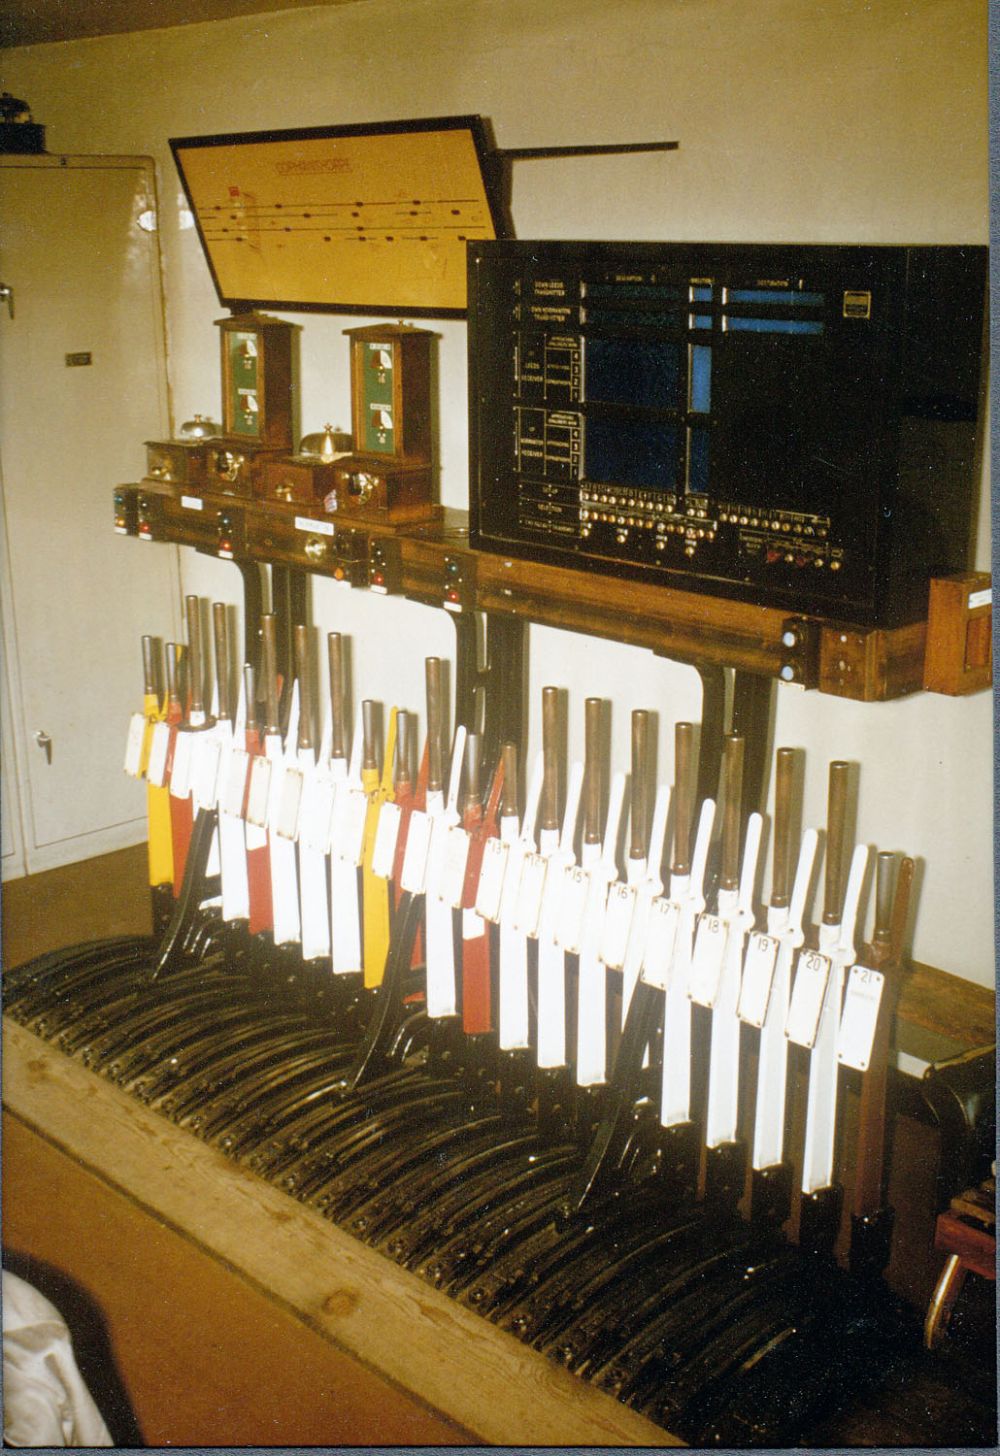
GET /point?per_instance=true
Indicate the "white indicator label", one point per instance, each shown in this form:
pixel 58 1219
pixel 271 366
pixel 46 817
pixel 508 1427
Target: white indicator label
pixel 350 809
pixel 192 503
pixel 661 937
pixel 473 925
pixel 287 820
pixel 758 973
pixel 516 853
pixel 133 744
pixel 617 924
pixel 435 854
pixel 491 876
pixel 456 857
pixel 572 908
pixel 706 960
pixel 305 523
pixel 857 1025
pixel 233 791
pixel 180 769
pixel 529 894
pixel 315 814
pixel 205 772
pixel 418 839
pixel 548 918
pixel 811 976
pixel 386 835
pixel 156 768
pixel 346 927
pixel 981 598
pixel 260 790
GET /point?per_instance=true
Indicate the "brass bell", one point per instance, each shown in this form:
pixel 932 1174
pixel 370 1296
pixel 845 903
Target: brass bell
pixel 198 428
pixel 326 444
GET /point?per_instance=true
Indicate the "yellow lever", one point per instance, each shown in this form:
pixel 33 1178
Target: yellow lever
pixel 161 854
pixel 375 891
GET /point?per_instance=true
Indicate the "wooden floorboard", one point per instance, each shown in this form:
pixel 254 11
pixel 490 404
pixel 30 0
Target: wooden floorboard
pixel 202 1358
pixel 105 896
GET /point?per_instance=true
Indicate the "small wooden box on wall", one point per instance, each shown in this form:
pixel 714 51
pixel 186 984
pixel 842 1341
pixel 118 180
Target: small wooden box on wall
pixel 256 402
pixel 257 380
pixel 959 654
pixel 308 476
pixel 256 366
pixel 389 475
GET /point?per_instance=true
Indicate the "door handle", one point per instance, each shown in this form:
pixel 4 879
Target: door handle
pixel 44 741
pixel 7 296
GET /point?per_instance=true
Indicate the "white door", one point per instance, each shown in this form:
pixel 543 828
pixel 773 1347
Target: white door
pixel 11 842
pixel 82 386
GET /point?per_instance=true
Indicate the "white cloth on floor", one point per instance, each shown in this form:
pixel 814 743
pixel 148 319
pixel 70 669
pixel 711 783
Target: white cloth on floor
pixel 45 1400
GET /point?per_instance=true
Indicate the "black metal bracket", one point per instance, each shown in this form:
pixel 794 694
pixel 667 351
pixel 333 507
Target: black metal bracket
pixel 499 163
pixel 725 1176
pixel 751 712
pixel 771 1193
pixel 713 727
pixel 506 652
pixel 289 605
pixel 389 1009
pixel 467 670
pixel 253 606
pixel 753 702
pixel 819 1220
pixel 871 1242
pixel 605 1152
pixel 173 946
pixel 490 696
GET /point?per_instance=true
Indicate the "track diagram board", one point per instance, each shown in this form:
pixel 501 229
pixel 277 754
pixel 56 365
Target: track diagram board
pixel 354 219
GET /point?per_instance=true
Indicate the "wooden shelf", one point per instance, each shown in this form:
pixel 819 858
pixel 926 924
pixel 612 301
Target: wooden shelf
pixel 947 1006
pixel 865 664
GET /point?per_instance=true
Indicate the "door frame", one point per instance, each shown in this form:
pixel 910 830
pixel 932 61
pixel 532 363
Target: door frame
pixel 31 858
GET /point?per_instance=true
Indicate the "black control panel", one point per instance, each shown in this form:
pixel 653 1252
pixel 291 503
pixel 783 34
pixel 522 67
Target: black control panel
pixel 794 425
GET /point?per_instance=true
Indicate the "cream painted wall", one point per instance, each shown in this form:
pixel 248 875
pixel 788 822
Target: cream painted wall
pixel 839 119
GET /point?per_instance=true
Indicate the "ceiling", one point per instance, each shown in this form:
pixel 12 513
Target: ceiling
pixel 32 22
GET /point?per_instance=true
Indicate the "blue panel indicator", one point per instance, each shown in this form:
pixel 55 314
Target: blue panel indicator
pixel 771 326
pixel 645 372
pixel 644 291
pixel 773 295
pixel 701 378
pixel 607 316
pixel 633 452
pixel 699 320
pixel 697 477
pixel 701 293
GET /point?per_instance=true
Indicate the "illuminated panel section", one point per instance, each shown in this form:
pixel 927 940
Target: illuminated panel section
pixel 734 324
pixel 782 296
pixel 642 372
pixel 700 379
pixel 631 452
